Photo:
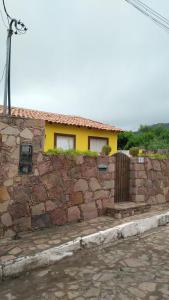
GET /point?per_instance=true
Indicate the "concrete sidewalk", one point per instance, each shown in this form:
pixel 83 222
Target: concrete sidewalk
pixel 44 247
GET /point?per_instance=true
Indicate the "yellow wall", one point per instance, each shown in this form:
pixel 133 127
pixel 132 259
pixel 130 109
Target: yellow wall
pixel 81 136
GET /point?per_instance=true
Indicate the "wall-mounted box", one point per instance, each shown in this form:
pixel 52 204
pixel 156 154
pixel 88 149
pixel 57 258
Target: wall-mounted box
pixel 25 161
pixel 141 160
pixel 102 168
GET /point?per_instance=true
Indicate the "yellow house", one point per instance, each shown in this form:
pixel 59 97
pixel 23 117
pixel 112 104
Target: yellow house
pixel 72 132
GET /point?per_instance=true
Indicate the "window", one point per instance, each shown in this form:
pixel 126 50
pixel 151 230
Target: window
pixel 65 141
pixel 97 143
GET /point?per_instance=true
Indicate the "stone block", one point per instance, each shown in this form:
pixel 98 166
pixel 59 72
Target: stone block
pixel 12 171
pixel 10 131
pixel 38 209
pixel 9 233
pixel 6 220
pixel 79 160
pixel 89 172
pixel 76 198
pixel 111 168
pixel 141 175
pixel 139 167
pixel 38 194
pixel 58 216
pixel 108 184
pixel 50 205
pixel 4 206
pixel 4 138
pixel 18 210
pixel 4 195
pixel 88 196
pixel 94 184
pixel 140 198
pixel 45 167
pixel 160 199
pixel 89 211
pixel 156 165
pixel 10 141
pixel 2 126
pixel 107 202
pixel 101 194
pixel 139 182
pixel 15 154
pixel 22 194
pixel 41 221
pixel 73 214
pixel 81 186
pixel 36 172
pixel 106 176
pixel 18 140
pixel 37 132
pixel 22 224
pixel 26 134
pixel 99 207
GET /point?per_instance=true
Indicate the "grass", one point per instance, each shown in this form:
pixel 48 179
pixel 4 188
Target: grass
pixel 59 151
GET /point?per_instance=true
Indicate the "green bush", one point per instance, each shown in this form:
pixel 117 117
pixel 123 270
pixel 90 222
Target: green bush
pixel 106 149
pixel 58 151
pixel 134 151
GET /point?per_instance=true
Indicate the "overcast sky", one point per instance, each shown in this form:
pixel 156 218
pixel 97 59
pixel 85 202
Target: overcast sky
pixel 100 59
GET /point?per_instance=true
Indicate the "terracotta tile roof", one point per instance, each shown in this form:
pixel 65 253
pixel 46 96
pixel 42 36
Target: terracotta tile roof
pixel 60 119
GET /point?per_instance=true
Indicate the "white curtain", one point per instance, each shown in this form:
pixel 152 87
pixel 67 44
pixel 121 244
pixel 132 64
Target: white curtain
pixel 65 142
pixel 97 144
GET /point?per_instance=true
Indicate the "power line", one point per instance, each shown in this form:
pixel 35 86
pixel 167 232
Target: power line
pixel 3 73
pixel 152 14
pixel 3 21
pixel 153 11
pixel 7 14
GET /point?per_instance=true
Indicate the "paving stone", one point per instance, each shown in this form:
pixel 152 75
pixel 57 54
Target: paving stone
pixel 15 251
pixel 148 286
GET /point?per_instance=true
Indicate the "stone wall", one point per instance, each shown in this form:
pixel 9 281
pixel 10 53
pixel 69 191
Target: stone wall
pixel 59 190
pixel 149 181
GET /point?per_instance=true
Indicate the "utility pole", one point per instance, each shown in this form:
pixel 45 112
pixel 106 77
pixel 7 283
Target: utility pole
pixel 15 27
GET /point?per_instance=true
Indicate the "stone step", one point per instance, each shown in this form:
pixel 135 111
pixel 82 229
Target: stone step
pixel 126 209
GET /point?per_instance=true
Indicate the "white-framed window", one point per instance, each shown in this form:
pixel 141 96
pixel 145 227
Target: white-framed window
pixel 97 143
pixel 65 141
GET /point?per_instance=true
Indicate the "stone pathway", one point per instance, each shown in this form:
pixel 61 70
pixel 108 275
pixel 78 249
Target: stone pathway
pixel 132 269
pixel 34 242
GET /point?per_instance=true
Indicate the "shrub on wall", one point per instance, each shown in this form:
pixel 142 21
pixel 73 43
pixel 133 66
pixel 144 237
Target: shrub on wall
pixel 106 149
pixel 134 151
pixel 58 151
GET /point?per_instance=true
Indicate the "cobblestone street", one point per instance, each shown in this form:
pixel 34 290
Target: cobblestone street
pixel 136 268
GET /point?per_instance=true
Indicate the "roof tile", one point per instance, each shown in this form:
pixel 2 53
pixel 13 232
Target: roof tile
pixel 60 119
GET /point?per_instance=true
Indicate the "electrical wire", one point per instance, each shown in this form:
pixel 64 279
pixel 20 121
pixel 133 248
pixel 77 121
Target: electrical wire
pixel 152 14
pixel 3 73
pixel 153 11
pixel 7 14
pixel 3 21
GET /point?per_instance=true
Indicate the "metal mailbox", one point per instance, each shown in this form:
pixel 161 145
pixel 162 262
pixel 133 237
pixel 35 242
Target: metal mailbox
pixel 25 162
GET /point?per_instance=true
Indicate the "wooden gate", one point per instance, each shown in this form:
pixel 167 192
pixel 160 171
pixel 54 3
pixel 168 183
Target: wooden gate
pixel 122 179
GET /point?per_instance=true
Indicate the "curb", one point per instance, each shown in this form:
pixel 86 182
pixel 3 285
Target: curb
pixel 16 267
